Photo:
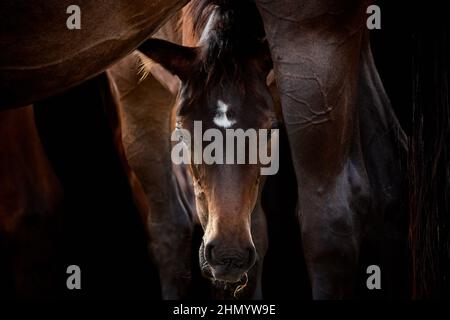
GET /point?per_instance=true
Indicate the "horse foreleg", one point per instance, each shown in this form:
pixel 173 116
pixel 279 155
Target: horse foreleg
pixel 316 64
pixel 331 224
pixel 168 224
pixel 170 247
pixel 145 117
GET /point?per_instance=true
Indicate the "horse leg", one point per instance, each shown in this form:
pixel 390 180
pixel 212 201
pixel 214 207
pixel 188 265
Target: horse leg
pixel 316 64
pixel 331 225
pixel 145 127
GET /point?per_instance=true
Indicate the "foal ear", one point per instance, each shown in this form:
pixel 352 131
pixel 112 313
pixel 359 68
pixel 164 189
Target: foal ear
pixel 176 59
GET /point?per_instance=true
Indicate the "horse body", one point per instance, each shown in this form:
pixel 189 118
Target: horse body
pixel 41 46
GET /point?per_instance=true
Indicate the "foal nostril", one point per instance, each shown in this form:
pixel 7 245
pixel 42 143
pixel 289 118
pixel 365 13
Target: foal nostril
pixel 240 259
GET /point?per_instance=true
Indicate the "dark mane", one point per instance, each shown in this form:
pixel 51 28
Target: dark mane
pixel 236 33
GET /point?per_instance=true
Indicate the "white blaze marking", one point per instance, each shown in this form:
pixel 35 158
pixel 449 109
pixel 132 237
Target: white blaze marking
pixel 221 118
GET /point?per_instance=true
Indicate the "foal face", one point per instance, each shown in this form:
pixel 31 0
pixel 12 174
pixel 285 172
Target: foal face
pixel 226 193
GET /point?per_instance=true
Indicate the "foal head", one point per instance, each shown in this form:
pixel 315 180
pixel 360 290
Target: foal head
pixel 223 85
